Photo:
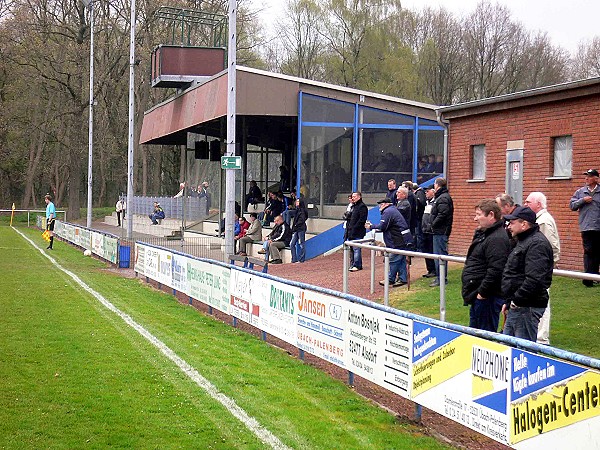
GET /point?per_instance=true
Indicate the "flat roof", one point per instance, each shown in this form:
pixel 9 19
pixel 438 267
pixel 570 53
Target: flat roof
pixel 556 92
pixel 259 93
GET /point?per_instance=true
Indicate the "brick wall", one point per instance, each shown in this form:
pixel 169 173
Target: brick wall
pixel 536 125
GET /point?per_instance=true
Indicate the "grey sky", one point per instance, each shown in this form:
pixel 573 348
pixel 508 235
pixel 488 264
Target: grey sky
pixel 567 22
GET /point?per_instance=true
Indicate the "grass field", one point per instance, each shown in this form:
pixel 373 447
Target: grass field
pixel 575 309
pixel 73 374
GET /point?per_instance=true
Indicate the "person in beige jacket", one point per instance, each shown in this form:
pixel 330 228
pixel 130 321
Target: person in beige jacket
pixel 538 203
pixel 253 233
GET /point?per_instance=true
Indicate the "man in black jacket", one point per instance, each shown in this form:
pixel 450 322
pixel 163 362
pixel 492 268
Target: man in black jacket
pixel 355 229
pixel 527 276
pixel 442 214
pixel 482 274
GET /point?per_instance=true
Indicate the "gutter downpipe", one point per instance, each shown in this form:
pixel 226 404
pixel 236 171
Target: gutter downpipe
pixel 444 124
pixel 443 267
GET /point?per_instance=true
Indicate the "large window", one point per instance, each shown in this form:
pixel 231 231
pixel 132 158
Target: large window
pixel 386 154
pixel 563 156
pixel 478 162
pixel 326 173
pixel 317 109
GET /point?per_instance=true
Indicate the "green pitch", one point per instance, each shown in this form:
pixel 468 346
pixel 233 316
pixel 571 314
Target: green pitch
pixel 73 374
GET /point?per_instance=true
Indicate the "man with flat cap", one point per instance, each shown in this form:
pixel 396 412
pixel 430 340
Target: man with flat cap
pixel 396 234
pixel 586 200
pixel 526 276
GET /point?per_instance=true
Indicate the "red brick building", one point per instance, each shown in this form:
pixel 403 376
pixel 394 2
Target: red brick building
pixel 538 140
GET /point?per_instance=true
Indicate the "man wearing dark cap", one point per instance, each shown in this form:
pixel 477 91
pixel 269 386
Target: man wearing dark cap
pixel 527 276
pixel 586 200
pixel 394 229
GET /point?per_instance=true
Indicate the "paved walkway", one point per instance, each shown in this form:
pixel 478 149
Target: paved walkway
pixel 327 272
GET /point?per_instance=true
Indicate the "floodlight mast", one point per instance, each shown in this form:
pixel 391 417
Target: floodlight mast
pixel 90 4
pixel 231 111
pixel 129 203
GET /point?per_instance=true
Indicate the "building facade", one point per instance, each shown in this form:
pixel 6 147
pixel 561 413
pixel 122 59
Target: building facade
pixel 538 140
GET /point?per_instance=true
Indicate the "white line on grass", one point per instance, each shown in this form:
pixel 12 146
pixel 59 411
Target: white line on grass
pixel 250 422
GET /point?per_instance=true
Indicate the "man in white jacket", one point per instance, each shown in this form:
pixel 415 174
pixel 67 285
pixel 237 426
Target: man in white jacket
pixel 538 203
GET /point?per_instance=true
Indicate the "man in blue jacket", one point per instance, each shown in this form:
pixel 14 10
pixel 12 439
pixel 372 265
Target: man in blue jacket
pixel 394 229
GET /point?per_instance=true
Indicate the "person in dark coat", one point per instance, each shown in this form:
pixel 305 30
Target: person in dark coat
pixel 442 214
pixel 420 202
pixel 355 229
pixel 254 194
pixel 527 276
pixel 297 244
pixel 482 274
pixel 394 228
pixel 427 236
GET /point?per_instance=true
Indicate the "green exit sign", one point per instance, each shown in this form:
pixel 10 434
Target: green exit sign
pixel 231 162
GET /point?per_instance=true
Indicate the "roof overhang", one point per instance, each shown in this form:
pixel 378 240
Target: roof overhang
pixel 259 93
pixel 557 92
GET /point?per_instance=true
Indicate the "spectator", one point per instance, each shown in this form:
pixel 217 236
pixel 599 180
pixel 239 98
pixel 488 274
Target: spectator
pixel 442 214
pixel 157 214
pixel 290 212
pixel 394 228
pixel 402 204
pixel 50 219
pixel 420 202
pixel 427 245
pixel 391 193
pixel 253 233
pixel 244 225
pixel 181 190
pixel 507 206
pixel 482 274
pixel 355 229
pixel 273 208
pixel 412 223
pixel 203 193
pixel 120 208
pixel 297 243
pixel 278 239
pixel 254 194
pixel 526 277
pixel 586 200
pixel 537 202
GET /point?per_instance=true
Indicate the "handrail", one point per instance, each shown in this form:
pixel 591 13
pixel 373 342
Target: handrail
pixel 443 259
pixel 497 337
pixel 28 211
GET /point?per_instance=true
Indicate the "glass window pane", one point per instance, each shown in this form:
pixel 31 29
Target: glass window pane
pixel 318 109
pixel 385 154
pixel 377 116
pixel 431 155
pixel 326 170
pixel 479 162
pixel 563 156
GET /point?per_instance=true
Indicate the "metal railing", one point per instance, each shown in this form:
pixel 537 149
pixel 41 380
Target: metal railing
pixel 37 211
pixel 443 262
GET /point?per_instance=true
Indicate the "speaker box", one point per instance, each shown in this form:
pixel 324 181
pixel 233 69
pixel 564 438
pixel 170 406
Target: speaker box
pixel 215 150
pixel 201 150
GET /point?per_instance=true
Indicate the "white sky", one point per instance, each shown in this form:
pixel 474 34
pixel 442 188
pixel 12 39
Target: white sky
pixel 567 21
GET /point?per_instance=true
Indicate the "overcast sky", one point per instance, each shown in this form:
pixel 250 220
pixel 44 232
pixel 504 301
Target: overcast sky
pixel 566 21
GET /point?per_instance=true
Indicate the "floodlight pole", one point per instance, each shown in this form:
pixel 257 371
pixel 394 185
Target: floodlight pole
pixel 129 204
pixel 91 116
pixel 231 111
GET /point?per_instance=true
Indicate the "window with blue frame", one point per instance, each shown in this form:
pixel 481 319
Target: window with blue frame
pixel 345 146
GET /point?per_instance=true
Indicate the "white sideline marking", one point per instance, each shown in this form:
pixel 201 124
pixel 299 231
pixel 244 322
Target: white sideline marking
pixel 250 422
